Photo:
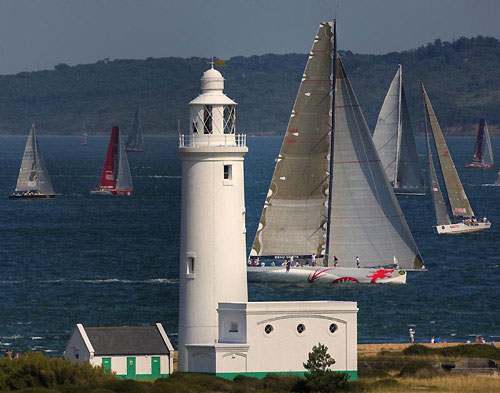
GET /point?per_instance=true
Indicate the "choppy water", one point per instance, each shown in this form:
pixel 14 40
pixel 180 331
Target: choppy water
pixel 105 261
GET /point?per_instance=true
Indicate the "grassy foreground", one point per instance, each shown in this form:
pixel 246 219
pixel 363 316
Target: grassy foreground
pixel 405 370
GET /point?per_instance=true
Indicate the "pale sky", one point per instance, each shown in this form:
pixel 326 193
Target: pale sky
pixel 37 34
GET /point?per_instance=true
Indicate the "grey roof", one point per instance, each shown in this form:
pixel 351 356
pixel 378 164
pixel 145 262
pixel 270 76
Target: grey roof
pixel 127 340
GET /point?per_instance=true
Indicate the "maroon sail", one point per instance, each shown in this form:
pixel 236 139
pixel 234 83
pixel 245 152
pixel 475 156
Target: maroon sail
pixel 482 157
pixel 108 175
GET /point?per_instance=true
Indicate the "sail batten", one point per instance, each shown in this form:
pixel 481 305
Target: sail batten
pixel 459 202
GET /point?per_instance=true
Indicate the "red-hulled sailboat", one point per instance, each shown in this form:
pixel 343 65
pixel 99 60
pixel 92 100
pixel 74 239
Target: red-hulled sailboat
pixel 483 155
pixel 115 178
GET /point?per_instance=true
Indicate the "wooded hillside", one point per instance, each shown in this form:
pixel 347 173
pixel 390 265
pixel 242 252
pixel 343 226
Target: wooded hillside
pixel 462 78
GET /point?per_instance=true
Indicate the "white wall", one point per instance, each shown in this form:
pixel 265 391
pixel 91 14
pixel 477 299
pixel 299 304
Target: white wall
pixel 75 345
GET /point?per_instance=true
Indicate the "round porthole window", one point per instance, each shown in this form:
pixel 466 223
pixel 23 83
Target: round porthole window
pixel 333 328
pixel 268 329
pixel 301 328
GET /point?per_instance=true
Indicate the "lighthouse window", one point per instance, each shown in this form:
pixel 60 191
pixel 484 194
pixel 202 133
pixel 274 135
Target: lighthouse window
pixel 207 119
pixel 228 172
pixel 229 119
pixel 190 265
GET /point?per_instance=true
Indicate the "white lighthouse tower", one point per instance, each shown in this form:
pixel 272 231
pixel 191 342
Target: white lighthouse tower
pixel 213 250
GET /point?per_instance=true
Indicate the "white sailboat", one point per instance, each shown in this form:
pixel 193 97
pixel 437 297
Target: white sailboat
pixel 464 220
pixel 84 136
pixel 135 140
pixel 483 154
pixel 330 202
pixel 33 181
pixel 395 142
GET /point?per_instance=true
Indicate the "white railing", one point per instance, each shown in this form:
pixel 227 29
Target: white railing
pixel 212 140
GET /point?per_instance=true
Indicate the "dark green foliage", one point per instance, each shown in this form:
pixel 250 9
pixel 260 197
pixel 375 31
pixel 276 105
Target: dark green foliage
pixel 419 369
pixel 371 372
pixel 461 77
pixel 458 351
pixel 387 383
pixel 123 386
pixel 323 382
pixel 36 370
pixel 319 359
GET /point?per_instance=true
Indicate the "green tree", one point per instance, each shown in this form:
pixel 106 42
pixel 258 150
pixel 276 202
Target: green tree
pixel 319 359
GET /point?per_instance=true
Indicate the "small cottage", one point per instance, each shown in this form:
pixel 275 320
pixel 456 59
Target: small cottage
pixel 132 352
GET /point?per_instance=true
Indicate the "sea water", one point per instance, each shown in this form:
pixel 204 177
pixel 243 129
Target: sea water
pixel 114 261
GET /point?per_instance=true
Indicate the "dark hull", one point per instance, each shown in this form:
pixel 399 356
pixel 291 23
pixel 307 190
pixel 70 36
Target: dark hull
pixel 13 196
pixel 130 150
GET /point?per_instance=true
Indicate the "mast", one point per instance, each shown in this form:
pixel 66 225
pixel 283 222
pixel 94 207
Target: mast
pixel 330 172
pixel 398 144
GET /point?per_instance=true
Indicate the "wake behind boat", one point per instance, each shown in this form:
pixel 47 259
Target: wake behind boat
pixel 395 142
pixel 483 154
pixel 459 203
pixel 33 181
pixel 330 202
pixel 116 179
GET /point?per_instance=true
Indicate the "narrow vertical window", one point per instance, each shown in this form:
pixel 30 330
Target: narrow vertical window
pixel 228 172
pixel 190 265
pixel 207 119
pixel 233 327
pixel 228 119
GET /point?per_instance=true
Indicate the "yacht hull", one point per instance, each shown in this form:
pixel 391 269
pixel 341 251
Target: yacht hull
pixel 111 192
pixel 461 227
pixel 325 275
pixel 14 196
pixel 478 166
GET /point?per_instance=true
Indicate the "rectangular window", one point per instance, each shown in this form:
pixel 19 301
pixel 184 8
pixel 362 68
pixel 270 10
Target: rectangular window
pixel 229 119
pixel 233 327
pixel 207 119
pixel 228 172
pixel 190 265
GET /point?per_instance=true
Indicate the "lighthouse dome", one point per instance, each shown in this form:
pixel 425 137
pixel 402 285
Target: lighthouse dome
pixel 212 80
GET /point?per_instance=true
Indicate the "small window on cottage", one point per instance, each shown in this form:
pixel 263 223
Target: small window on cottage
pixel 333 328
pixel 228 172
pixel 233 327
pixel 301 328
pixel 190 265
pixel 268 329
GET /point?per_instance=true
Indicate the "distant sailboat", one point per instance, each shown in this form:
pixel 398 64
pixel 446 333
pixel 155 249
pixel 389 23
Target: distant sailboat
pixel 483 155
pixel 460 206
pixel 84 136
pixel 395 142
pixel 33 181
pixel 135 140
pixel 115 178
pixel 330 201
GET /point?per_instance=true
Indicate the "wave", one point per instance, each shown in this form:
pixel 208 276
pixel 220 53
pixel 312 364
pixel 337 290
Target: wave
pixel 164 177
pixel 490 185
pixel 117 280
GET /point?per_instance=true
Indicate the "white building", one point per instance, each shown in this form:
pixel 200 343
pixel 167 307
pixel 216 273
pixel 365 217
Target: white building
pixel 220 332
pixel 132 352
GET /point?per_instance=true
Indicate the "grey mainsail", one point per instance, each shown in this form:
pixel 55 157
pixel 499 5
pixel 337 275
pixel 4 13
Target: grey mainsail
pixel 394 139
pixel 294 213
pixel 366 219
pixel 123 178
pixel 135 140
pixel 460 205
pixel 442 217
pixel 33 175
pixel 488 153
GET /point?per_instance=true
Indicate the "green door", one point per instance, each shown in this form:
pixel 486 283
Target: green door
pixel 106 365
pixel 131 368
pixel 155 367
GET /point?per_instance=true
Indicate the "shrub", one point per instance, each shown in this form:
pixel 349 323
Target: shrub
pixel 323 382
pixel 419 369
pixel 123 386
pixel 464 350
pixel 385 383
pixel 371 372
pixel 319 359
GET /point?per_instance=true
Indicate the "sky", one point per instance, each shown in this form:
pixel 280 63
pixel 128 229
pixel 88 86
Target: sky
pixel 38 34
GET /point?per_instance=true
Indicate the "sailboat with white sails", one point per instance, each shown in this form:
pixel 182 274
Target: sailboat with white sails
pixel 395 141
pixel 460 206
pixel 330 205
pixel 483 154
pixel 33 181
pixel 84 136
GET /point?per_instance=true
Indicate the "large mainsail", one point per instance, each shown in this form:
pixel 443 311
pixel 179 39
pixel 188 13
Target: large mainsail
pixel 442 217
pixel 460 205
pixel 394 139
pixel 488 153
pixel 367 220
pixel 135 139
pixel 295 211
pixel 123 178
pixel 109 170
pixel 33 175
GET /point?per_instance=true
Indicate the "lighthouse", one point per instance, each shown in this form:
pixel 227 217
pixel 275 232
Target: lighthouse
pixel 220 332
pixel 213 247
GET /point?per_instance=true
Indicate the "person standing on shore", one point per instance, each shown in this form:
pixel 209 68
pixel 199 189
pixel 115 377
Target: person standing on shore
pixel 412 335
